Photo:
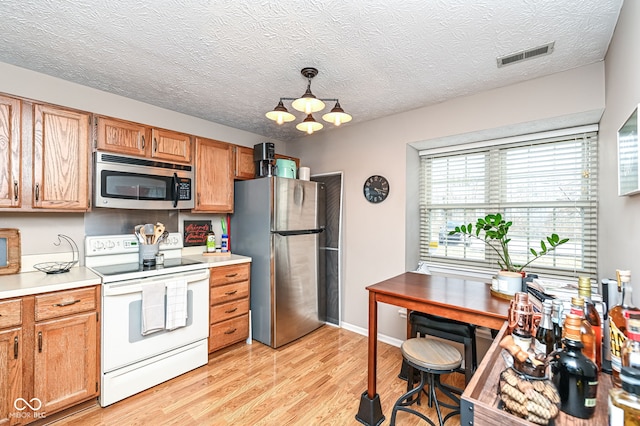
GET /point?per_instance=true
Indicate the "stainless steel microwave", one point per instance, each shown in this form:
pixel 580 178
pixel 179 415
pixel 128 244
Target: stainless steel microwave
pixel 124 182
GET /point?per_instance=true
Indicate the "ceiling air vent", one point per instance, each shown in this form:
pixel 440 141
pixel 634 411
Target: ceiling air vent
pixel 523 55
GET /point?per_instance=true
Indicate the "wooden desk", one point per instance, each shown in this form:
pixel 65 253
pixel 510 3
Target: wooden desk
pixel 453 298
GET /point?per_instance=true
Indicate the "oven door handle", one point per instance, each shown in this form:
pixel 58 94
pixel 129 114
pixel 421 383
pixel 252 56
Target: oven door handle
pixel 135 286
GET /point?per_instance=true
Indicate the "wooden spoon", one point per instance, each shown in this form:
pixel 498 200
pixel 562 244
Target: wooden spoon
pixel 158 230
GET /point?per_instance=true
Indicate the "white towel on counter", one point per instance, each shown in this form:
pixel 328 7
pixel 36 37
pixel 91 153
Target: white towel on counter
pixel 176 304
pixel 152 308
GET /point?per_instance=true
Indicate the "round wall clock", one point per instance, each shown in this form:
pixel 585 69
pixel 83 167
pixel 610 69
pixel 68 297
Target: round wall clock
pixel 376 189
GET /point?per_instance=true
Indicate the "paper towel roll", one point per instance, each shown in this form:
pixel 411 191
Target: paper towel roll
pixel 304 173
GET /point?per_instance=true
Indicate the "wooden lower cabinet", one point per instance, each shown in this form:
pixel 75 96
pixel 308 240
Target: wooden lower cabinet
pixel 65 361
pixel 49 353
pixel 229 305
pixel 10 374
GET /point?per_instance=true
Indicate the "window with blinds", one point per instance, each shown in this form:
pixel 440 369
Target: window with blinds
pixel 543 183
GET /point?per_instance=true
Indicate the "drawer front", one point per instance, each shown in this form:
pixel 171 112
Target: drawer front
pixel 10 313
pixel 228 332
pixel 229 274
pixel 229 292
pixel 64 303
pixel 228 310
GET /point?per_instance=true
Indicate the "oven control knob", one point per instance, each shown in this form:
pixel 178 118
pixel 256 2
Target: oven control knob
pixel 98 245
pixel 111 244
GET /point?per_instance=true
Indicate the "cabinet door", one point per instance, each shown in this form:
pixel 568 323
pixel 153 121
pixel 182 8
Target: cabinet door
pixel 10 152
pixel 66 361
pixel 245 167
pixel 10 375
pixel 214 176
pixel 172 146
pixel 60 159
pixel 122 137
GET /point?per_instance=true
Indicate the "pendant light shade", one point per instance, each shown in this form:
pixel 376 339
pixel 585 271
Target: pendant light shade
pixel 280 114
pixel 308 103
pixel 309 125
pixel 337 116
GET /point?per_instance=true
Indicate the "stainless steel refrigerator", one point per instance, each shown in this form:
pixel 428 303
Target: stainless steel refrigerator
pixel 279 223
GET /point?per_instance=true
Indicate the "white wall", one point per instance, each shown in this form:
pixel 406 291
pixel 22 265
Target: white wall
pixel 619 227
pixel 380 240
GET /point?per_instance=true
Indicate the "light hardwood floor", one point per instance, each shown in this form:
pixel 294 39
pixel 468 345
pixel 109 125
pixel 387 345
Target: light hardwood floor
pixel 316 380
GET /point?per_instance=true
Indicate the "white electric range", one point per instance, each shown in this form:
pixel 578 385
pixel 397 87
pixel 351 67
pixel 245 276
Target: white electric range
pixel 133 357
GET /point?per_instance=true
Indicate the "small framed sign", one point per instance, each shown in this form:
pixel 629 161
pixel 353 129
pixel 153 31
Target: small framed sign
pixel 9 251
pixel 195 232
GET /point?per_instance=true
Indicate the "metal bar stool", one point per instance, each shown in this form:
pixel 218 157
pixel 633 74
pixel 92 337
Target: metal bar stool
pixel 444 328
pixel 432 358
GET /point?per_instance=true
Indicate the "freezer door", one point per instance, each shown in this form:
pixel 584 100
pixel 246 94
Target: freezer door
pixel 295 310
pixel 295 205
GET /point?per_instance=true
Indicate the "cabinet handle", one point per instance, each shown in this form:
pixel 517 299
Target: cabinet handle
pixel 70 302
pixel 15 347
pixel 230 331
pixel 37 192
pixel 229 293
pixel 155 145
pixel 142 141
pixel 198 198
pixel 39 341
pixel 15 190
pixel 231 310
pixel 231 275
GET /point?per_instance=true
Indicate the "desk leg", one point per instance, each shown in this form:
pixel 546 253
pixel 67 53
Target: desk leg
pixel 370 410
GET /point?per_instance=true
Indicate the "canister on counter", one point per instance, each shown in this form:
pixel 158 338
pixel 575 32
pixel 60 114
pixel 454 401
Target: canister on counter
pixel 211 242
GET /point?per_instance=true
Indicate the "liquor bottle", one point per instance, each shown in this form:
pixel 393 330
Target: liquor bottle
pixel 618 325
pixel 624 404
pixel 556 316
pixel 574 375
pixel 591 315
pixel 545 337
pixel 630 352
pixel 586 331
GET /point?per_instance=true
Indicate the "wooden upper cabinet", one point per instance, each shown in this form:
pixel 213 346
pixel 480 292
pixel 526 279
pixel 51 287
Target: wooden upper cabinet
pixel 10 152
pixel 214 176
pixel 172 146
pixel 61 141
pixel 122 136
pixel 245 167
pixel 125 137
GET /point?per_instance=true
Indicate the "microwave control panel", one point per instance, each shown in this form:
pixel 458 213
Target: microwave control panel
pixel 184 189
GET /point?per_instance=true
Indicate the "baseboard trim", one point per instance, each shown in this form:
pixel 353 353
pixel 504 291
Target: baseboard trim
pixel 364 332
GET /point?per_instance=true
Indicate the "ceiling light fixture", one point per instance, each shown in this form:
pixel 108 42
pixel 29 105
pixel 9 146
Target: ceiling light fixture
pixel 308 104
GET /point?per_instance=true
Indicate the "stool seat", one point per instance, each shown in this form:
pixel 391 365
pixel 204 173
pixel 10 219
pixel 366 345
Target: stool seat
pixel 431 354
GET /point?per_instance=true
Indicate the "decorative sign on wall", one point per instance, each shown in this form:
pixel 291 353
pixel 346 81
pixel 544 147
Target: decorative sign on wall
pixel 195 232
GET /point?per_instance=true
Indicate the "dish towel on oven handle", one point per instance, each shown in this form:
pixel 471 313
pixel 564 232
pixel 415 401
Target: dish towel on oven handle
pixel 152 308
pixel 176 304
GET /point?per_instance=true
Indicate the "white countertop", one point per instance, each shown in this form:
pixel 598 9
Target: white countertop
pixel 27 283
pixel 195 253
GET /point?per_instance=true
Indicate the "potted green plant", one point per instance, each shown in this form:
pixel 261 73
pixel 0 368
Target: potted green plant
pixel 493 230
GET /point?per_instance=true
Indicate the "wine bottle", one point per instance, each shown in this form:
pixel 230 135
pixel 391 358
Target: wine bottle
pixel 574 375
pixel 591 315
pixel 545 338
pixel 556 316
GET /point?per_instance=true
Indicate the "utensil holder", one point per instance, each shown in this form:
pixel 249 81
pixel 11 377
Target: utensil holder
pixel 147 254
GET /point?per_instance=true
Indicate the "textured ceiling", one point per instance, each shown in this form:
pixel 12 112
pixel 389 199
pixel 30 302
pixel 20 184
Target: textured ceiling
pixel 230 61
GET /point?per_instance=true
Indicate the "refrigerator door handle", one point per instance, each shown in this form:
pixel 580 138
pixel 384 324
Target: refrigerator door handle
pixel 303 232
